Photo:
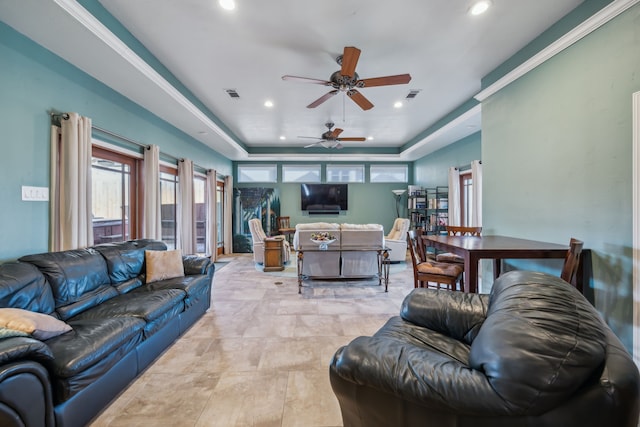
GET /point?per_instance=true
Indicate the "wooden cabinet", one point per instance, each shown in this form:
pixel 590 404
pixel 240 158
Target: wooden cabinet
pixel 273 254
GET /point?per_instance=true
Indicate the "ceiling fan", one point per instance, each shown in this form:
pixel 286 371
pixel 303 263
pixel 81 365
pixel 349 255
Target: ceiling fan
pixel 330 139
pixel 346 80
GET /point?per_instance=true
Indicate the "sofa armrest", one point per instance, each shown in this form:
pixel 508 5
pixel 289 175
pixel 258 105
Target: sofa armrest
pixel 24 348
pixel 25 388
pixel 194 264
pixel 25 395
pixel 456 314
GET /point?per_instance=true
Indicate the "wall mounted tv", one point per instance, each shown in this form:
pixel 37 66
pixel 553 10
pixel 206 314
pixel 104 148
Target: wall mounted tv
pixel 324 198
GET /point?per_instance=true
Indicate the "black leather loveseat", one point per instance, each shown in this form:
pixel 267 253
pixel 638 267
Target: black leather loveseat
pixel 119 325
pixel 533 353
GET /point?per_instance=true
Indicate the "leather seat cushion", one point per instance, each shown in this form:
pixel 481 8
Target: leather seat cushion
pixel 141 303
pixel 92 340
pixel 89 351
pixel 195 286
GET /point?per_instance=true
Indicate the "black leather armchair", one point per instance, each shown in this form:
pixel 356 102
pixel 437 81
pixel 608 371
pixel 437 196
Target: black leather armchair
pixel 533 353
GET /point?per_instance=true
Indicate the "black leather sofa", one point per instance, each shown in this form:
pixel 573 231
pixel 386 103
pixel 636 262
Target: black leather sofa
pixel 120 324
pixel 532 353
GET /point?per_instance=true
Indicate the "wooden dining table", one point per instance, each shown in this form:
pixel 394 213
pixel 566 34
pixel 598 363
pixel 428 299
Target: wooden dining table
pixel 497 248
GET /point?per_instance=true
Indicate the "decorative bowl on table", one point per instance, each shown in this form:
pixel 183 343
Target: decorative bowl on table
pixel 323 240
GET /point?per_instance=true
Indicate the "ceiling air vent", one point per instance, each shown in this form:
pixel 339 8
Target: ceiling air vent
pixel 232 93
pixel 413 93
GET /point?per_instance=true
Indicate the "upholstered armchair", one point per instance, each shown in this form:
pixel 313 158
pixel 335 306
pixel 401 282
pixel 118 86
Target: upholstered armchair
pixel 257 237
pixel 396 240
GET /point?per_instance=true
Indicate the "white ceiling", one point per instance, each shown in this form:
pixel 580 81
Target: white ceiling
pixel 446 50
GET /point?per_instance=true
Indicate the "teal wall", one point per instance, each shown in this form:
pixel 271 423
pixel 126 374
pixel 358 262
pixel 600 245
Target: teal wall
pixel 556 153
pixel 433 169
pixel 34 81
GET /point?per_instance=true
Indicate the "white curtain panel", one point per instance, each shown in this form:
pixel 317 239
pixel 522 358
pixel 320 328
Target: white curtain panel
pixel 151 218
pixel 71 219
pixel 228 214
pixel 212 220
pixel 454 196
pixel 476 176
pixel 185 221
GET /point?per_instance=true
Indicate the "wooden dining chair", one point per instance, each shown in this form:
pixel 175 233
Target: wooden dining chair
pixel 426 272
pixel 284 227
pixel 572 261
pixel 454 230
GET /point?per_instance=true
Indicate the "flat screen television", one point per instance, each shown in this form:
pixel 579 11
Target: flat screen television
pixel 324 197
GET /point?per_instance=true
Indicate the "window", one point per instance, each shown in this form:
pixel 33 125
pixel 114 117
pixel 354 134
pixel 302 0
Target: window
pixel 257 173
pixel 389 173
pixel 200 212
pixel 168 198
pixel 300 173
pixel 220 215
pixel 114 185
pixel 345 173
pixel 466 198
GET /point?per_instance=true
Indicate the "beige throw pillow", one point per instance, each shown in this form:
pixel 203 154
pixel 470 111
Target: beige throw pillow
pixel 163 265
pixel 40 326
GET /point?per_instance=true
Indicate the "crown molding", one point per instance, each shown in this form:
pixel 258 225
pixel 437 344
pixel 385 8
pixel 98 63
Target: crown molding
pixel 605 15
pixel 95 27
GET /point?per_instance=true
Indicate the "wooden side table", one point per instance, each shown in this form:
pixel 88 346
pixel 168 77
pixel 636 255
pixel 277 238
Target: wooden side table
pixel 273 254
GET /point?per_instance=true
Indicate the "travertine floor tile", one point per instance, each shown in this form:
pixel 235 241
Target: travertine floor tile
pixel 260 356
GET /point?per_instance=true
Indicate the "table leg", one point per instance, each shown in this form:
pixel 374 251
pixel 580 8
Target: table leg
pixel 299 266
pixel 470 273
pixel 386 265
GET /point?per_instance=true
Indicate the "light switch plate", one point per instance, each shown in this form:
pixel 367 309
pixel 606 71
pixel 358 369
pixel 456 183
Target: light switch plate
pixel 34 194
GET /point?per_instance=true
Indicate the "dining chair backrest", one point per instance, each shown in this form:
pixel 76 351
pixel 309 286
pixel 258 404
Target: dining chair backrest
pixel 571 261
pixel 418 245
pixel 283 222
pixel 454 230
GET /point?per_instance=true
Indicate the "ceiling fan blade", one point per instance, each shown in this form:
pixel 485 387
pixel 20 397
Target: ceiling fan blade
pixel 349 61
pixel 355 139
pixel 337 146
pixel 359 99
pixel 310 137
pixel 400 79
pixel 307 80
pixel 336 132
pixel 322 99
pixel 315 143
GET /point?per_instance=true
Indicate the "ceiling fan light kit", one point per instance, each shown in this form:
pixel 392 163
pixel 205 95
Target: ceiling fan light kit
pixel 346 80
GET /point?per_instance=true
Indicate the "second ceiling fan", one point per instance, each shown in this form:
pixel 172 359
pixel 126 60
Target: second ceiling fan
pixel 331 138
pixel 346 80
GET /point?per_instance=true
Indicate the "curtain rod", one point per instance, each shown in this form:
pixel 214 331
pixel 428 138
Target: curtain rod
pixel 65 116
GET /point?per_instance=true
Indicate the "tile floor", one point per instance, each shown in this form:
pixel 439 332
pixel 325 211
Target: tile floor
pixel 260 356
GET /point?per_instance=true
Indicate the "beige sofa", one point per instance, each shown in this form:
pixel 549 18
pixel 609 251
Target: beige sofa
pixel 339 261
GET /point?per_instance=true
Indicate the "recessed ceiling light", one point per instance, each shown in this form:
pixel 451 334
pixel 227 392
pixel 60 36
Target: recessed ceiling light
pixel 397 105
pixel 227 4
pixel 370 138
pixel 479 7
pixel 282 137
pixel 268 104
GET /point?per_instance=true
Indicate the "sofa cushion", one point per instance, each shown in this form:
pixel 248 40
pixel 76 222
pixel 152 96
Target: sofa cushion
pixel 125 260
pixel 195 286
pixel 22 285
pixel 161 265
pixel 141 303
pixel 90 350
pixel 40 326
pixel 78 279
pixel 540 342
